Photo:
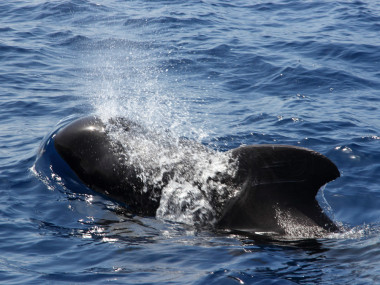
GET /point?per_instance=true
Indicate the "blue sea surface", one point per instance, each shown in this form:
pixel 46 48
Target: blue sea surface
pixel 225 73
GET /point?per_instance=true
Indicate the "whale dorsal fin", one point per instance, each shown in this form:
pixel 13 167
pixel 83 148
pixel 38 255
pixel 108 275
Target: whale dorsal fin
pixel 278 178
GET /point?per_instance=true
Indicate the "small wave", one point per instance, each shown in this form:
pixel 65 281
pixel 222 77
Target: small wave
pixel 76 41
pixel 6 29
pixel 62 9
pixel 172 22
pixel 13 50
pixel 357 232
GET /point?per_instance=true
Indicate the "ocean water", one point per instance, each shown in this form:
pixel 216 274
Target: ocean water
pixel 223 73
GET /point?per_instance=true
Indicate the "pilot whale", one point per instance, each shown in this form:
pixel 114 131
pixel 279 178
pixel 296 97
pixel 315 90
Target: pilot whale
pixel 276 184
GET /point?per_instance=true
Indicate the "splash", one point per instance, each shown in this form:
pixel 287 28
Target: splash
pixel 298 228
pixel 190 179
pixel 357 232
pixel 162 142
pixel 129 79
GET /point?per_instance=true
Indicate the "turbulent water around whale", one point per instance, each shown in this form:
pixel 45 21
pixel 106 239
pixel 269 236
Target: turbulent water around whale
pixel 195 173
pixel 219 73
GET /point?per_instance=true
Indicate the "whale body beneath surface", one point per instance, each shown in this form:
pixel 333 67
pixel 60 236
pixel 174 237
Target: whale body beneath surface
pixel 275 185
